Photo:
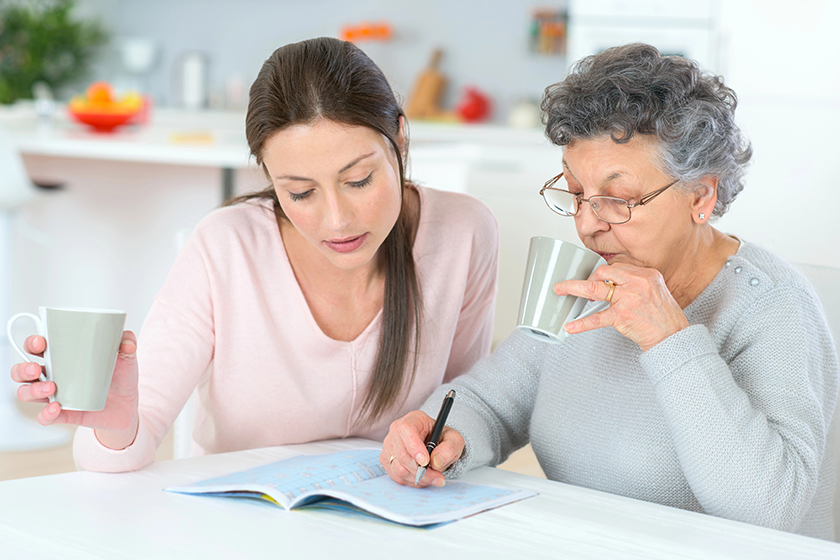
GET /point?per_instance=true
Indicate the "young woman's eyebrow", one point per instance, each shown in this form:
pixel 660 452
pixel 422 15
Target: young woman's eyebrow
pixel 342 170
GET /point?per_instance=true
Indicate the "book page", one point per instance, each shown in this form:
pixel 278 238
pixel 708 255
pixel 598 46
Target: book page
pixel 421 506
pixel 356 477
pixel 285 480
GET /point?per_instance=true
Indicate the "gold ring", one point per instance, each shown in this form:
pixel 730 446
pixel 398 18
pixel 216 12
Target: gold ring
pixel 391 459
pixel 611 284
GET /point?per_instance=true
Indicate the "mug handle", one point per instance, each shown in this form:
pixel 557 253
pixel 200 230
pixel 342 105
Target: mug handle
pixel 24 355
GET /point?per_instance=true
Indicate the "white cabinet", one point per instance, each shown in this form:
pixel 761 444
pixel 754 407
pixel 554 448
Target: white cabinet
pixel 682 27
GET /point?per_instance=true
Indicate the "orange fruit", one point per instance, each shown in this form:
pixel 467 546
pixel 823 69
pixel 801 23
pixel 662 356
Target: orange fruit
pixel 100 93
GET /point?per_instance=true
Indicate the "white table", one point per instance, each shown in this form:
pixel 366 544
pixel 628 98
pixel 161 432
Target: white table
pixel 93 515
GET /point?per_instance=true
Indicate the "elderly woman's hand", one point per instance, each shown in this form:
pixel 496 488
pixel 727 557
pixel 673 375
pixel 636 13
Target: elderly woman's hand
pixel 641 307
pixel 404 449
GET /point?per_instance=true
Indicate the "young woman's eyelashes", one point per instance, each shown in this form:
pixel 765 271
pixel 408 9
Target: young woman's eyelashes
pixel 299 196
pixel 355 184
pixel 363 183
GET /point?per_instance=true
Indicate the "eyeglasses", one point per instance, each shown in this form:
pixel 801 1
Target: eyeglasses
pixel 607 208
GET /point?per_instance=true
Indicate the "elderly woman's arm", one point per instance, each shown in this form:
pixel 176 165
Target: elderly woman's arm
pixel 492 412
pixel 750 421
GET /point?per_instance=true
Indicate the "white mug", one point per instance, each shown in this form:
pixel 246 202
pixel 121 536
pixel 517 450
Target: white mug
pixel 82 348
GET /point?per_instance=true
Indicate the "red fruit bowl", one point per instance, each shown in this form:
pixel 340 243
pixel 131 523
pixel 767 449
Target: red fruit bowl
pixel 103 122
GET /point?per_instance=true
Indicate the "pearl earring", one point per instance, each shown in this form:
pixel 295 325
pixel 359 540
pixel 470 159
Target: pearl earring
pixel 702 216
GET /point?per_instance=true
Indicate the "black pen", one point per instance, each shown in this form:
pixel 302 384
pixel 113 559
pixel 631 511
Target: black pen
pixel 436 431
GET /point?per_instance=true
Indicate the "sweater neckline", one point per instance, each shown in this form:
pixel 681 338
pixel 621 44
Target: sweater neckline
pixel 301 299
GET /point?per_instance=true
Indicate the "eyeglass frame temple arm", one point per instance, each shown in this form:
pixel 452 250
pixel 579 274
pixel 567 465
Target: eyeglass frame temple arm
pixel 651 195
pixel 548 184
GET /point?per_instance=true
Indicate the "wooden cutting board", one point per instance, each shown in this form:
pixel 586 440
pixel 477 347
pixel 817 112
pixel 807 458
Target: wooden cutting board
pixel 424 101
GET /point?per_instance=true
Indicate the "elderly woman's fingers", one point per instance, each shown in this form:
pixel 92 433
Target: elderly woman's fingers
pixel 594 290
pixel 404 445
pixel 404 450
pixel 412 432
pixel 448 450
pixel 602 285
pixel 641 306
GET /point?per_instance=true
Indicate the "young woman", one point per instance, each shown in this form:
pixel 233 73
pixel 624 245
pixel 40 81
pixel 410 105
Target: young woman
pixel 325 306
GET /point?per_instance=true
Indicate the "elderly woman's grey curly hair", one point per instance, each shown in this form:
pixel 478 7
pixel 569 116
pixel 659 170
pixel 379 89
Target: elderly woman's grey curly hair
pixel 633 89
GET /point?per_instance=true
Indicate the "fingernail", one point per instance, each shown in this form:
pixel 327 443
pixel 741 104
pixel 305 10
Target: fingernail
pixel 420 459
pixel 439 482
pixel 46 388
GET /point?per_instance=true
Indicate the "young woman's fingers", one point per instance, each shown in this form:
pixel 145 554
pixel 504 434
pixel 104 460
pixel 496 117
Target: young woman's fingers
pixel 36 392
pixel 26 372
pixel 35 345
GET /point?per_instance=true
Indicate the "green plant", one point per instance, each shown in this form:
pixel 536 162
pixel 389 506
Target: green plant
pixel 41 41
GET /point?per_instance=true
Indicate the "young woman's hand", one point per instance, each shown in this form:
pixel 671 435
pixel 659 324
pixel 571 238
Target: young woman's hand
pixel 404 450
pixel 116 424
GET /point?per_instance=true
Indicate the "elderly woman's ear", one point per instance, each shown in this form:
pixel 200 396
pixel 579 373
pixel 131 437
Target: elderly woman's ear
pixel 705 198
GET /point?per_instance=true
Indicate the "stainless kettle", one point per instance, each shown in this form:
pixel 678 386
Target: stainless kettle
pixel 189 80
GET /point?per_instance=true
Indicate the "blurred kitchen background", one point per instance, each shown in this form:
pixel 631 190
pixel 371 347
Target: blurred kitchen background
pixel 105 223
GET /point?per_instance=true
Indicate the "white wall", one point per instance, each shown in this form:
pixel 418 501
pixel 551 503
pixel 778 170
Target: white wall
pixel 485 42
pixel 781 59
pixel 108 238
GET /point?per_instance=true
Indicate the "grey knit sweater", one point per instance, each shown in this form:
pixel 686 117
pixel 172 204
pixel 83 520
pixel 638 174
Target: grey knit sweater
pixel 729 416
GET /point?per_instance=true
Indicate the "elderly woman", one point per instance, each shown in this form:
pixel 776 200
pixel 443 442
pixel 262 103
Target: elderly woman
pixel 710 382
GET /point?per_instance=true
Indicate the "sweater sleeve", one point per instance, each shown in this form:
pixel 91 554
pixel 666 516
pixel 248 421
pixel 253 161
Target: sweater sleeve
pixel 174 349
pixel 474 331
pixel 493 403
pixel 750 423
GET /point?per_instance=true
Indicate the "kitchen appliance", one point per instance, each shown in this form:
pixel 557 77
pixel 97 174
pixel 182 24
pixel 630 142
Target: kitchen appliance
pixel 189 80
pixel 684 28
pixel 138 56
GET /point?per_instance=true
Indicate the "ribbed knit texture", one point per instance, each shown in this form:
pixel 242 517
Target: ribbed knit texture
pixel 730 416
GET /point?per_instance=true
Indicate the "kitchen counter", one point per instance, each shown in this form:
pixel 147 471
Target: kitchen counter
pixel 171 137
pixel 203 138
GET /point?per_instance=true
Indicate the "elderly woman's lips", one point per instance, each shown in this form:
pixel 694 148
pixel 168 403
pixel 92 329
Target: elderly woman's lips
pixel 346 245
pixel 606 256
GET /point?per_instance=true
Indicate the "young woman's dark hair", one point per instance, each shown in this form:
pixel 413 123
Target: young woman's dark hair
pixel 324 78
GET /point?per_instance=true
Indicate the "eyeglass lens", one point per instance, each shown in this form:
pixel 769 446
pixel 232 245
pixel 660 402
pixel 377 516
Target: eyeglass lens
pixel 607 208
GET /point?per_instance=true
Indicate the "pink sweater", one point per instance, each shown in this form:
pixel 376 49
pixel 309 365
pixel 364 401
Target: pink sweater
pixel 231 320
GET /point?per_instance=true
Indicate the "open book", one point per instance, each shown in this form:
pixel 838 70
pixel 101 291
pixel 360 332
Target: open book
pixel 354 479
